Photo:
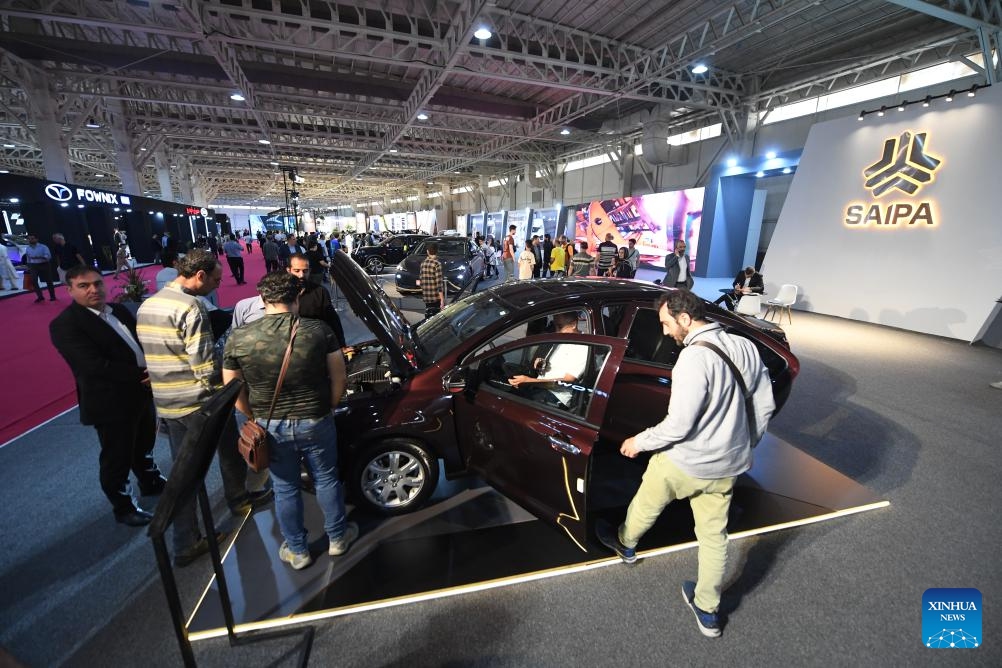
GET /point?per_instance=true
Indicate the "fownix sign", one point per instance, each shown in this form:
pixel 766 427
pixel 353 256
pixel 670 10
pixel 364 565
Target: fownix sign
pixel 62 193
pixel 904 166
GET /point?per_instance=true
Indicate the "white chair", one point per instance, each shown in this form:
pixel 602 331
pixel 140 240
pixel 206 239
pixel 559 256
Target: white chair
pixel 783 300
pixel 749 305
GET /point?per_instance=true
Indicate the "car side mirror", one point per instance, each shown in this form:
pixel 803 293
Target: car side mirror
pixel 454 382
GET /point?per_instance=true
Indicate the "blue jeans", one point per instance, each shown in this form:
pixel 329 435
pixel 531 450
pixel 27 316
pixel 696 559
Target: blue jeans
pixel 313 441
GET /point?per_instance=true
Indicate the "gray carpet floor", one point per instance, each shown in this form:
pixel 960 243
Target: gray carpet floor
pixel 908 415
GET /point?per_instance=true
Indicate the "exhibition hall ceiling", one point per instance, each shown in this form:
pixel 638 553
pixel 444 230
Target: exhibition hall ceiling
pixel 379 99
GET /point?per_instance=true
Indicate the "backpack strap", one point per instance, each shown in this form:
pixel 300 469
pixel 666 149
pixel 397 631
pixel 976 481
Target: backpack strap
pixel 749 400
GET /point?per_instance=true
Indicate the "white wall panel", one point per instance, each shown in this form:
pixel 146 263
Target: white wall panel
pixel 940 279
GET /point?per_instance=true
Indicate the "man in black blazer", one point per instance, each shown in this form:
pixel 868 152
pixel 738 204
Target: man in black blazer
pixel 747 282
pixel 98 341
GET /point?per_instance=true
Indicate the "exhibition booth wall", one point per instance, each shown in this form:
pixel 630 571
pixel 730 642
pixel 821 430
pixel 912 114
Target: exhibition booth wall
pixel 892 219
pixel 87 217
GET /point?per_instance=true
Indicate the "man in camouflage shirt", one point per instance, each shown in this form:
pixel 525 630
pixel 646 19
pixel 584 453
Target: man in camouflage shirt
pixel 432 290
pixel 302 426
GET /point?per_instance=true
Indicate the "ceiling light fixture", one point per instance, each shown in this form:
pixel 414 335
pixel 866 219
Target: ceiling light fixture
pixel 881 112
pixel 263 141
pixel 99 175
pixel 759 174
pixel 787 170
pixel 700 68
pixel 973 91
pixel 565 131
pixel 422 116
pixel 771 155
pixel 927 101
pixel 4 171
pixel 861 116
pixel 92 124
pixel 9 146
pixel 901 106
pixel 273 163
pixel 483 33
pixel 237 97
pixel 949 96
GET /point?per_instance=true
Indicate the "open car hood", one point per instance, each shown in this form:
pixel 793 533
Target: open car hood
pixel 376 310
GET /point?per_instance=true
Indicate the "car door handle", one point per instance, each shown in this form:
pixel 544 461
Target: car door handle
pixel 342 410
pixel 560 445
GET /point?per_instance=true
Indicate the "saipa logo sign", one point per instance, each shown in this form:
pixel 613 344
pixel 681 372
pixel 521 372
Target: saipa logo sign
pixel 951 618
pixel 905 166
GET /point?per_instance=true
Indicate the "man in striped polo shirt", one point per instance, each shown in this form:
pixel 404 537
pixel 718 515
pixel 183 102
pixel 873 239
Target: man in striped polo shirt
pixel 176 335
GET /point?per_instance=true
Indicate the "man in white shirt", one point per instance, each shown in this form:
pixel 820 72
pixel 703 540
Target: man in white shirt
pixel 702 445
pixel 633 255
pixel 565 364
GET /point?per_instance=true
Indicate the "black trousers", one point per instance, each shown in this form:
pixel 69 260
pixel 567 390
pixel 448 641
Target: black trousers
pixel 127 445
pixel 43 271
pixel 236 268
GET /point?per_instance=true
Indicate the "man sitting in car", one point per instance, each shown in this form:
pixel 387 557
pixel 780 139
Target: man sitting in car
pixel 564 364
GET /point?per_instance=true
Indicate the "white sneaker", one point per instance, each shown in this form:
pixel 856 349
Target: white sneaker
pixel 294 559
pixel 340 546
pixel 997 386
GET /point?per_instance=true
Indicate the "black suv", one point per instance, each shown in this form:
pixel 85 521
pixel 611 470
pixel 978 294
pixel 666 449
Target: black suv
pixel 387 252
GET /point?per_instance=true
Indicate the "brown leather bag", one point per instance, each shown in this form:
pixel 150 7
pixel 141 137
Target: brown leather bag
pixel 253 441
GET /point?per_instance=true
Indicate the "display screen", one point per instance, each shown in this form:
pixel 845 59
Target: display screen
pixel 655 221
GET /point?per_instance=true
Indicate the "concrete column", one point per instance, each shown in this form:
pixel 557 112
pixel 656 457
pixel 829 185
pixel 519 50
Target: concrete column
pixel 163 175
pixel 44 114
pixel 184 183
pixel 124 158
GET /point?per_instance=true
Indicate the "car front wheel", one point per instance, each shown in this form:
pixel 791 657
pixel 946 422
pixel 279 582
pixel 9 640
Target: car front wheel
pixel 374 265
pixel 394 477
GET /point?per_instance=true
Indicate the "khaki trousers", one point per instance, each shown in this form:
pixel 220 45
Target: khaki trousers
pixel 710 501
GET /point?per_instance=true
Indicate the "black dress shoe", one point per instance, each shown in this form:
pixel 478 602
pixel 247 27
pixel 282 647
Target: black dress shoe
pixel 252 501
pixel 153 487
pixel 188 557
pixel 137 517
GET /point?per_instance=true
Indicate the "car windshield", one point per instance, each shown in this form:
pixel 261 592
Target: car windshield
pixel 439 334
pixel 446 247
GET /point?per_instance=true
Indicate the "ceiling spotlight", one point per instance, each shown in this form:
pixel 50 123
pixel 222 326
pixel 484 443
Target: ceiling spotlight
pixel 700 68
pixel 881 112
pixel 565 131
pixel 949 96
pixel 80 206
pixel 142 148
pixel 732 162
pixel 9 146
pixel 901 106
pixel 973 91
pixel 927 100
pixel 237 97
pixel 787 170
pixel 759 174
pixel 99 175
pixel 771 155
pixel 14 200
pixel 4 171
pixel 63 204
pixel 263 141
pixel 422 116
pixel 273 163
pixel 92 124
pixel 393 150
pixel 861 116
pixel 483 33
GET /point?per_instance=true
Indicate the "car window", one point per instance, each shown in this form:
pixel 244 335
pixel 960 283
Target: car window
pixel 560 376
pixel 648 343
pixel 542 324
pixel 446 247
pixel 396 243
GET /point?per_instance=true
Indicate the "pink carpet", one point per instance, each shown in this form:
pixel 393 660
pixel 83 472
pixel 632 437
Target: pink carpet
pixel 37 384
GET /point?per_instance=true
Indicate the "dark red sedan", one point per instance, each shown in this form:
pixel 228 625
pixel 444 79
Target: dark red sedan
pixel 440 391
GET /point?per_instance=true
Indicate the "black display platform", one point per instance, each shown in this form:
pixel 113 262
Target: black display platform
pixel 472 538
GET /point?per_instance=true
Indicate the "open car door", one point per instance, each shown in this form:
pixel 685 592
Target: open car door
pixel 533 441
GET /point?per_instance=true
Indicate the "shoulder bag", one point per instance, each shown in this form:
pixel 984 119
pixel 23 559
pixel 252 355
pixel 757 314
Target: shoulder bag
pixel 749 400
pixel 253 441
